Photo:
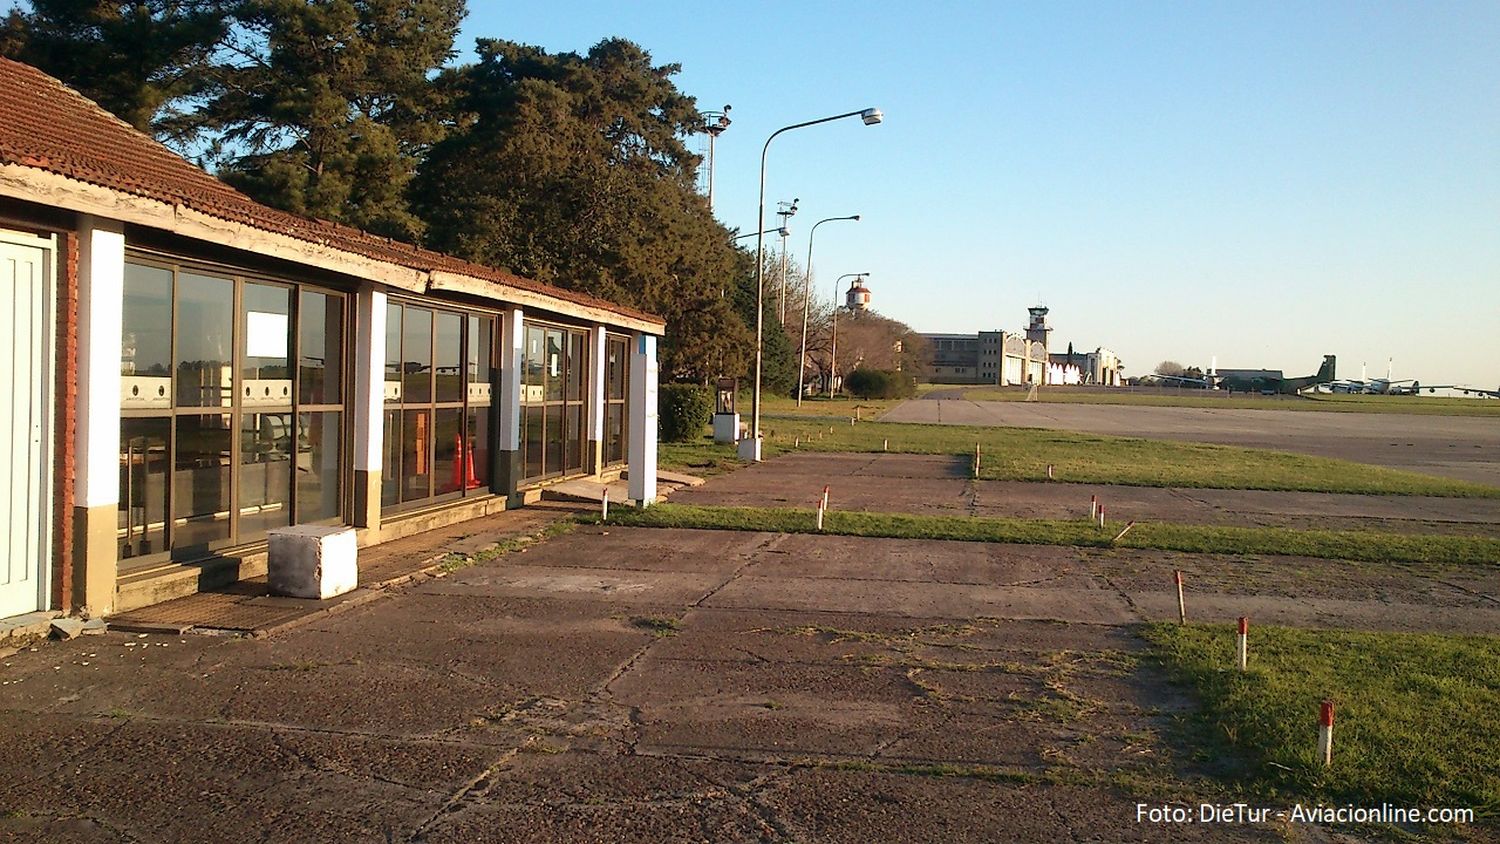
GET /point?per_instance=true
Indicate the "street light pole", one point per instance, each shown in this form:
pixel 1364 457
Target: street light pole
pixel 870 116
pixel 785 214
pixel 807 298
pixel 833 352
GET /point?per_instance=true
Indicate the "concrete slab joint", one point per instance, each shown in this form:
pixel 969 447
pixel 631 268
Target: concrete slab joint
pixel 312 561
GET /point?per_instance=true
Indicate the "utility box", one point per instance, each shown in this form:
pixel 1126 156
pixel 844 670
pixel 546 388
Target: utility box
pixel 726 419
pixel 312 561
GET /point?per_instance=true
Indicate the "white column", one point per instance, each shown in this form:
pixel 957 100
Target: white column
pixel 512 360
pixel 369 404
pixel 101 301
pixel 596 400
pixel 369 380
pixel 642 452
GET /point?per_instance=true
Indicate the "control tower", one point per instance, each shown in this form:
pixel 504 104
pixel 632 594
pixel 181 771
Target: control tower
pixel 1037 330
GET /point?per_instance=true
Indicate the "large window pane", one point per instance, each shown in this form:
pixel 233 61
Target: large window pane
pixel 205 320
pixel 416 356
pixel 265 481
pixel 266 346
pixel 393 352
pixel 614 433
pixel 477 444
pixel 390 472
pixel 573 441
pixel 200 484
pixel 146 340
pixel 552 448
pixel 535 364
pixel 577 366
pixel 553 365
pixel 533 441
pixel 320 348
pixel 614 366
pixel 448 356
pixel 144 470
pixel 479 352
pixel 449 474
pixel 416 455
pixel 319 481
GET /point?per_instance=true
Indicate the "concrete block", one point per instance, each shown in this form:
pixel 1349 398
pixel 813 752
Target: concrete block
pixel 95 627
pixel 726 427
pixel 749 449
pixel 310 561
pixel 66 628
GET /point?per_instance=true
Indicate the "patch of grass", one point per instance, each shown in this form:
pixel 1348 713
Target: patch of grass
pixel 1414 713
pixel 1421 405
pixel 456 562
pixel 1023 454
pixel 1361 546
pixel 657 625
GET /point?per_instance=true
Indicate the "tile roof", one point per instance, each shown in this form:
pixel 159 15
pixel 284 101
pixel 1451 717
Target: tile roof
pixel 48 126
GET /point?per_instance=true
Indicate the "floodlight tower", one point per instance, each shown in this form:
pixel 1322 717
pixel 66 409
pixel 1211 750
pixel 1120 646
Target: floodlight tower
pixel 786 213
pixel 714 124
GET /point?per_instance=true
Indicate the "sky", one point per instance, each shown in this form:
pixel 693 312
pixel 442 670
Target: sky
pixel 1257 183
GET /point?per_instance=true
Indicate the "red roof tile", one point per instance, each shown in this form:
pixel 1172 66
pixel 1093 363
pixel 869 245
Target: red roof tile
pixel 48 126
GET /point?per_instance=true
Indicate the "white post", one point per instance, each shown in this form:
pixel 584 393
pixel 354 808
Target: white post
pixel 101 302
pixel 1325 733
pixel 512 359
pixel 596 398
pixel 1242 645
pixel 369 407
pixel 642 456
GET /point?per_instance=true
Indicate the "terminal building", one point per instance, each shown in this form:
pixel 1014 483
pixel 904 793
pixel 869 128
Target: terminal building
pixel 189 369
pixel 1005 358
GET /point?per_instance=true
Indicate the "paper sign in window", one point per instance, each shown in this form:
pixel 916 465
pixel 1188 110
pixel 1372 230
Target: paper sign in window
pixel 265 335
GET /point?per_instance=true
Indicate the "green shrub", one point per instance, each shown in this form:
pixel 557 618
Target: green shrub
pixel 682 411
pixel 880 384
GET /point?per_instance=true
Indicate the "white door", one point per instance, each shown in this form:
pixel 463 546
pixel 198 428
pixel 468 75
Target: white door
pixel 25 344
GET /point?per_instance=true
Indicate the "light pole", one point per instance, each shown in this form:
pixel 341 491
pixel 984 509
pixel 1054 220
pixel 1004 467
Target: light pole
pixel 833 352
pixel 870 116
pixel 714 123
pixel 785 214
pixel 807 297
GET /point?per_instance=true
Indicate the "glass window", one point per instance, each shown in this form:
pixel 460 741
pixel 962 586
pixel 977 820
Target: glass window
pixel 448 451
pixel 320 348
pixel 205 314
pixel 265 481
pixel 144 472
pixel 319 479
pixel 481 347
pixel 533 441
pixel 477 449
pixel 535 364
pixel 393 353
pixel 146 341
pixel 416 356
pixel 577 366
pixel 448 342
pixel 390 474
pixel 265 346
pixel 201 480
pixel 553 366
pixel 416 455
pixel 614 366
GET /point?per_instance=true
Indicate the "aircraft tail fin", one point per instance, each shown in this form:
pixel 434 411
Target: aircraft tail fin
pixel 1326 373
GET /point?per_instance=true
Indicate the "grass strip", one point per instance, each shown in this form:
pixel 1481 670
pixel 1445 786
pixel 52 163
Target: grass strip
pixel 1362 546
pixel 1414 713
pixel 1023 454
pixel 1418 405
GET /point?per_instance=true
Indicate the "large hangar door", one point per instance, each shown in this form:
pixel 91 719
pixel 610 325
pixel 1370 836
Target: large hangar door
pixel 25 363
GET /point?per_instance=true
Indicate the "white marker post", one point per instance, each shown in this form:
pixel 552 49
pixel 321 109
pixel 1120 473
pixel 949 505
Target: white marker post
pixel 1093 507
pixel 797 443
pixel 976 460
pixel 885 444
pixel 1049 471
pixel 604 506
pixel 1325 733
pixel 1101 515
pixel 1243 644
pixel 1181 604
pixel 820 517
pixel 825 496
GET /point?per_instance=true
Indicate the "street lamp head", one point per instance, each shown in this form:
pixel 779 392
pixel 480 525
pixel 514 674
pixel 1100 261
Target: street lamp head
pixel 871 116
pixel 855 218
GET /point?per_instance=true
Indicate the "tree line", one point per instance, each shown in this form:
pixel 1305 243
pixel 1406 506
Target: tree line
pixel 570 168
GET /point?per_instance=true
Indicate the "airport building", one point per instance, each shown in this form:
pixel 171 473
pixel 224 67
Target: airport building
pixel 1005 358
pixel 189 369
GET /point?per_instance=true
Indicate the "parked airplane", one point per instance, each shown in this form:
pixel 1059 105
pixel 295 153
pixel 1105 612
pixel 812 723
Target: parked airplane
pixel 1493 394
pixel 1269 381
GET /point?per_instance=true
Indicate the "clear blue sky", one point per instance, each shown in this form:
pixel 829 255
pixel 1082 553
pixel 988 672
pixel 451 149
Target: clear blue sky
pixel 1262 182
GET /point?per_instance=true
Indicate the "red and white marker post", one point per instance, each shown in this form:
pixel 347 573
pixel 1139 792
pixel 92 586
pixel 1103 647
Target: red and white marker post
pixel 825 496
pixel 1181 604
pixel 1325 733
pixel 1242 645
pixel 1101 515
pixel 820 516
pixel 604 506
